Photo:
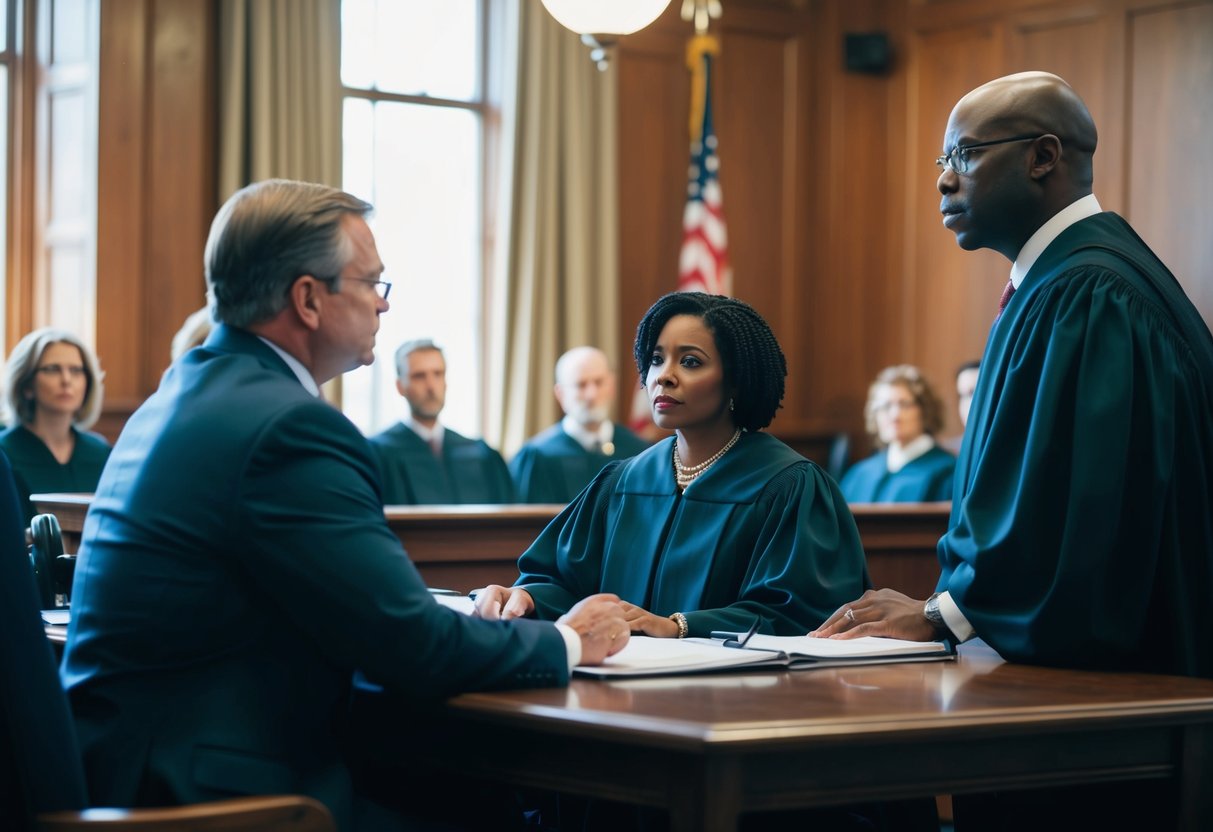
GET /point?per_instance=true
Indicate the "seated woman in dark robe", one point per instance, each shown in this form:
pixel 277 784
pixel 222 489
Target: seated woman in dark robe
pixel 52 392
pixel 903 415
pixel 710 529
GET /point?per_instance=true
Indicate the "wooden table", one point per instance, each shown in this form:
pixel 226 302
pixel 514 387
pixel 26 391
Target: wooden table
pixel 465 547
pixel 708 748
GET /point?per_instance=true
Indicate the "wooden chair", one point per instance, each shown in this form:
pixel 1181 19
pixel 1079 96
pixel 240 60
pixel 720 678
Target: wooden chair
pixel 41 773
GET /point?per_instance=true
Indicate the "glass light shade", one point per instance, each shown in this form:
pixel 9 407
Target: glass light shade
pixel 605 17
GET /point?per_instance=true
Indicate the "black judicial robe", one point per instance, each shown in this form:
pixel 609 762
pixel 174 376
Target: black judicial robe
pixel 468 472
pixel 553 466
pixel 36 470
pixel 763 533
pixel 927 478
pixel 1081 531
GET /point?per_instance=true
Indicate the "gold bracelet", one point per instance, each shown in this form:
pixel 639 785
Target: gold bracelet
pixel 681 620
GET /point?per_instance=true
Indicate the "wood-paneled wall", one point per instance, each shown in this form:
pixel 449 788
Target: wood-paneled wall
pixel 156 187
pixel 829 186
pixel 827 175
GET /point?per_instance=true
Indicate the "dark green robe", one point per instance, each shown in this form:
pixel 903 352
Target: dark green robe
pixel 1082 532
pixel 468 472
pixel 553 466
pixel 927 478
pixel 763 533
pixel 38 472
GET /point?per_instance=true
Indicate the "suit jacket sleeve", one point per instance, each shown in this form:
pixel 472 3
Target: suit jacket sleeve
pixel 564 564
pixel 319 545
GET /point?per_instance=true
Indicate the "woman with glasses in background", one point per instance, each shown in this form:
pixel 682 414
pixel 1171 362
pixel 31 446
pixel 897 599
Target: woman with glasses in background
pixel 902 416
pixel 52 395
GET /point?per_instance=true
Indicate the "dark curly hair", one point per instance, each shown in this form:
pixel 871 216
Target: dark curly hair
pixel 754 365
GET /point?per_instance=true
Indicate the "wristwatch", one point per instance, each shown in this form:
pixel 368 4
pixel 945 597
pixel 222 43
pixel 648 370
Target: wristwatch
pixel 934 616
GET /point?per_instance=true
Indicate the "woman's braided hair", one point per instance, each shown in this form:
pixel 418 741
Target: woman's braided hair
pixel 754 366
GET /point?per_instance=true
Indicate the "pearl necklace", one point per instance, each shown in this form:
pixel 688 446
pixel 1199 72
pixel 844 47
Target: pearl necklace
pixel 684 475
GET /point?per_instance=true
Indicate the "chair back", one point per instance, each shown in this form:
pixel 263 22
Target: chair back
pixel 840 453
pixel 40 767
pixel 45 554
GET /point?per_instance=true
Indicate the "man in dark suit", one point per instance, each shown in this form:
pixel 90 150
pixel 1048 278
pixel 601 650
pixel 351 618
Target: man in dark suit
pixel 555 465
pixel 422 461
pixel 236 567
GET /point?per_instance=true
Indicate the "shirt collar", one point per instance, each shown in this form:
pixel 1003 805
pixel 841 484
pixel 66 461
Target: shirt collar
pixel 590 440
pixel 301 372
pixel 899 456
pixel 1087 206
pixel 428 434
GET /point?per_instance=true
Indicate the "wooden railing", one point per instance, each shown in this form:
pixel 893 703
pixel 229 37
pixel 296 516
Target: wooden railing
pixel 464 547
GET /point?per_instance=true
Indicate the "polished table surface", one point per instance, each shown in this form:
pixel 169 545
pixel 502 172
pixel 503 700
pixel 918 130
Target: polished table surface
pixel 708 748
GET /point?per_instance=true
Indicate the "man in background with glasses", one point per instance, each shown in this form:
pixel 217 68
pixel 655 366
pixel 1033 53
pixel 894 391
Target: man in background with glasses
pixel 1080 533
pixel 236 567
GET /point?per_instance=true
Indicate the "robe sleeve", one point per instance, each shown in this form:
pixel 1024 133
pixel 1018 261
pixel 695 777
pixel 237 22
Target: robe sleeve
pixel 859 483
pixel 939 489
pixel 564 564
pixel 1054 550
pixel 805 563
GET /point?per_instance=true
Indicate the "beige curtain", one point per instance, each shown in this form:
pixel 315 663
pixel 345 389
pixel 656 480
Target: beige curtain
pixel 555 280
pixel 279 92
pixel 280 97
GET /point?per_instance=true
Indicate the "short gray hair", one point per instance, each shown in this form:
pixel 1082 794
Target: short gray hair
pixel 408 348
pixel 267 235
pixel 23 364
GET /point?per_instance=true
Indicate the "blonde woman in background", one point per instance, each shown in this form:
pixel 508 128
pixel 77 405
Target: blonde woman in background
pixel 903 415
pixel 192 333
pixel 52 393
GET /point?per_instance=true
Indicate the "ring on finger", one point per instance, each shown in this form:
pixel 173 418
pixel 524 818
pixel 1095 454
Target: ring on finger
pixel 849 615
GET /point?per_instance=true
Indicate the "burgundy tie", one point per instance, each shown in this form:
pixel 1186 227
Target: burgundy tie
pixel 1006 296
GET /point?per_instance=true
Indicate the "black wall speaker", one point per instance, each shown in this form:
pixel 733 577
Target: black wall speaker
pixel 868 52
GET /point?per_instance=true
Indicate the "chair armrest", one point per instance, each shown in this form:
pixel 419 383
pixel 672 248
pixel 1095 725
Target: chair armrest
pixel 289 813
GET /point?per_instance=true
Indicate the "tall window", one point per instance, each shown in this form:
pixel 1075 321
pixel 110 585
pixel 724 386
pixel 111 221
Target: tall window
pixel 413 73
pixel 48 105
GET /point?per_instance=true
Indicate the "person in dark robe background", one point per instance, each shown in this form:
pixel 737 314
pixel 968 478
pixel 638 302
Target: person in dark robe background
pixel 557 463
pixel 53 393
pixel 1081 534
pixel 716 526
pixel 903 416
pixel 422 461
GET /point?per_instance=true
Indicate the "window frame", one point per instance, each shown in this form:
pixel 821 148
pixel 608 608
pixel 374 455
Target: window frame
pixel 486 105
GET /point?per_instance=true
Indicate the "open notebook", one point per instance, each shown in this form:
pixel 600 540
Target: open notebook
pixel 662 656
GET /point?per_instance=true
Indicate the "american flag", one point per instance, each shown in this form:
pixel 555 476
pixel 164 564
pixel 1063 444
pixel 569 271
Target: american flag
pixel 703 265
